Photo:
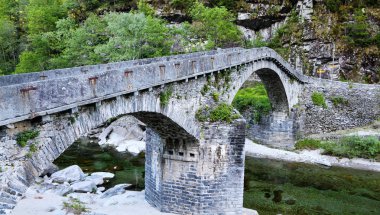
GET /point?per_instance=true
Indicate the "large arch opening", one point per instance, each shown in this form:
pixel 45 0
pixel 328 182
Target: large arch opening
pixel 264 103
pixel 170 154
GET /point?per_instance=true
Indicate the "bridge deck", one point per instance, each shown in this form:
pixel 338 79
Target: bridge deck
pixel 26 96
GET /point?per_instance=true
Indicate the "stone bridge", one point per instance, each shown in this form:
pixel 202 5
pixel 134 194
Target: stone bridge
pixel 192 167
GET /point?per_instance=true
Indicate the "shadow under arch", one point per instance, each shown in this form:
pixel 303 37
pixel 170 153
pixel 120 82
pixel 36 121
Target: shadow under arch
pixel 275 89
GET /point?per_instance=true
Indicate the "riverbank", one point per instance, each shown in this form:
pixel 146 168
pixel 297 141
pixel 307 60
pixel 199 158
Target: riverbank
pixel 308 156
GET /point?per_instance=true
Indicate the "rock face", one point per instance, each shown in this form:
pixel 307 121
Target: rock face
pixel 69 174
pixel 347 106
pixel 125 134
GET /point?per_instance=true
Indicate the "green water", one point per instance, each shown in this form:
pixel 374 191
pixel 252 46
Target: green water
pixel 273 187
pixel 93 158
pixel 270 187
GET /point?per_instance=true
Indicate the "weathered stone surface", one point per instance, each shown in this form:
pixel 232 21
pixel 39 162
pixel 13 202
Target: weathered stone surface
pixel 116 190
pixel 84 186
pixel 190 167
pixel 69 174
pixel 103 174
pixel 96 179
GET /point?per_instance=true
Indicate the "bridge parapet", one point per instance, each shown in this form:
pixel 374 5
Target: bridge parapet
pixel 27 100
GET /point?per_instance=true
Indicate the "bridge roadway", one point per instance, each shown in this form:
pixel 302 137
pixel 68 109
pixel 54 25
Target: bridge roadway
pixel 26 96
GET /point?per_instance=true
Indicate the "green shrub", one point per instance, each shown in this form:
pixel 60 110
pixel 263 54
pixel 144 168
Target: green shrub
pixel 165 96
pixel 255 99
pixel 215 96
pixel 74 206
pixel 33 147
pixel 338 100
pixel 318 99
pixel 221 113
pixel 308 144
pixel 23 137
pixel 355 146
pixel 352 146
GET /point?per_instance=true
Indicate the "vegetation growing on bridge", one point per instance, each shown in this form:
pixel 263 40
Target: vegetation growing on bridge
pixel 23 137
pixel 254 100
pixel 220 113
pixel 165 96
pixel 353 146
pixel 318 99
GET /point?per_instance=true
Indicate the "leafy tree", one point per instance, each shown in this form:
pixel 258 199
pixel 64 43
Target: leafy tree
pixel 357 32
pixel 8 46
pixel 78 42
pixel 43 14
pixel 145 8
pixel 215 25
pixel 133 36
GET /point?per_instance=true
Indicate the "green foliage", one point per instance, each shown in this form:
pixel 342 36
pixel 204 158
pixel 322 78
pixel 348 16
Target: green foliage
pixel 333 5
pixel 308 144
pixel 165 96
pixel 258 42
pixel 318 99
pixel 254 99
pixel 145 8
pixel 351 146
pixel 215 25
pixel 23 137
pixel 8 46
pixel 42 15
pixel 339 100
pixel 221 113
pixel 215 96
pixel 134 36
pixel 74 206
pixel 183 5
pixel 363 147
pixel 358 31
pixel 33 147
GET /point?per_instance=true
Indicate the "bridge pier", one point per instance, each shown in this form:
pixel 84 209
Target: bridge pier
pixel 204 177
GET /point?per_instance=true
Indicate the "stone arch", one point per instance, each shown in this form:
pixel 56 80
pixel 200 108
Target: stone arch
pixel 277 129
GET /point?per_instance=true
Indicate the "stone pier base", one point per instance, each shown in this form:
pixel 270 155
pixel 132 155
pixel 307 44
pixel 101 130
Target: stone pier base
pixel 204 177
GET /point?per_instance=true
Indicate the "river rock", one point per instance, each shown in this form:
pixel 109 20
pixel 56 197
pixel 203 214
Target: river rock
pixel 107 175
pixel 52 168
pixel 84 186
pixel 61 189
pixel 70 174
pixel 116 190
pixel 97 179
pixel 132 146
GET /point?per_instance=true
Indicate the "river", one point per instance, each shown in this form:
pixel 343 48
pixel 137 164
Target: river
pixel 270 187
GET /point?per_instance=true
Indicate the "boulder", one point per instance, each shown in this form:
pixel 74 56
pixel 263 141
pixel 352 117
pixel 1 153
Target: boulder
pixel 116 190
pixel 84 186
pixel 103 174
pixel 49 170
pixel 70 174
pixel 97 179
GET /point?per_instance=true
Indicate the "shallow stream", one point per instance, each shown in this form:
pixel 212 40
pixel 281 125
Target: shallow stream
pixel 271 187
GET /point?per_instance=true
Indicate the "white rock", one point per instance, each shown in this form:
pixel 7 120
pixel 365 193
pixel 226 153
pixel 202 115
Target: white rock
pixel 103 174
pixel 84 186
pixel 97 179
pixel 69 174
pixel 132 146
pixel 116 190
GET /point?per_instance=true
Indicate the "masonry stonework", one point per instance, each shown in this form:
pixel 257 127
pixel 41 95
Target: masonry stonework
pixel 191 167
